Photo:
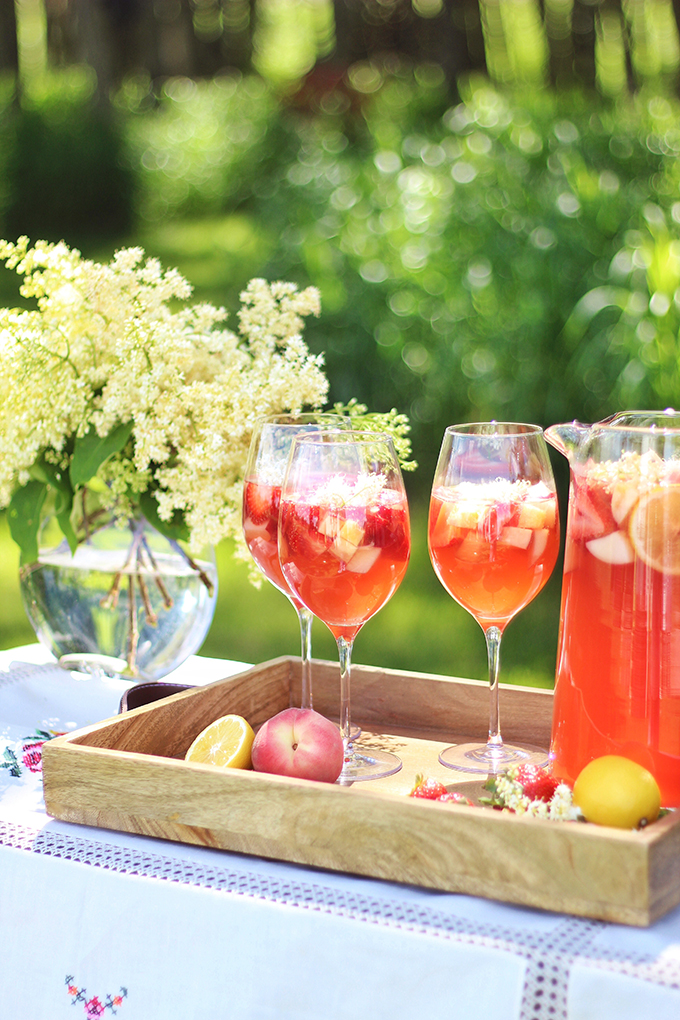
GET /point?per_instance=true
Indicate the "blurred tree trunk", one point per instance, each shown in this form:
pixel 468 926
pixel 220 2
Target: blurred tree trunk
pixel 161 38
pixel 237 38
pixel 453 39
pixel 583 34
pixel 616 7
pixel 9 50
pixel 95 32
pixel 450 36
pixel 465 15
pixel 676 12
pixel 495 42
pixel 558 30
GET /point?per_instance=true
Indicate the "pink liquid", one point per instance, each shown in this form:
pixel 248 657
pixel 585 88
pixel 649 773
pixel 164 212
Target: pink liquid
pixel 493 555
pixel 618 671
pixel 344 564
pixel 260 529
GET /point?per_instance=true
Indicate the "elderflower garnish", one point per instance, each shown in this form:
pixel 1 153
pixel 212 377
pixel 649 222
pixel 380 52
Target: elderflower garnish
pixel 338 491
pixel 120 397
pixel 397 425
pixel 537 794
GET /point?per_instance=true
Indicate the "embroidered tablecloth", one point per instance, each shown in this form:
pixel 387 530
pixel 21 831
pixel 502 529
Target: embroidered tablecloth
pixel 97 923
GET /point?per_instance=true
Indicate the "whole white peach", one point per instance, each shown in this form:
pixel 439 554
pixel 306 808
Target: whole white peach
pixel 301 743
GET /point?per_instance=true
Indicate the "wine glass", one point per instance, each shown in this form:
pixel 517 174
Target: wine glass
pixel 265 468
pixel 344 544
pixel 493 537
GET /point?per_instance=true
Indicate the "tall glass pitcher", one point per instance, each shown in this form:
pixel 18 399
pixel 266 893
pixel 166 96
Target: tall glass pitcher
pixel 618 669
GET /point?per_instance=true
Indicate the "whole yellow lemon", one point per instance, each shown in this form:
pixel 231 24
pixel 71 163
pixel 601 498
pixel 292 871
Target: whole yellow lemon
pixel 617 791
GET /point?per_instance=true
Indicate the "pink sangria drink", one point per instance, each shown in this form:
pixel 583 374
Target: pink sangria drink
pixel 261 529
pixel 493 545
pixel 344 551
pixel 618 671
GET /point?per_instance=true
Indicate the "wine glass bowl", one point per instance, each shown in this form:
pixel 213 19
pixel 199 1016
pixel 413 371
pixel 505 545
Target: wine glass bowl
pixel 265 469
pixel 344 545
pixel 493 537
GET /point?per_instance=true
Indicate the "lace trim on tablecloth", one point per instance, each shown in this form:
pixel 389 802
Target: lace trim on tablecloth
pixel 22 671
pixel 549 955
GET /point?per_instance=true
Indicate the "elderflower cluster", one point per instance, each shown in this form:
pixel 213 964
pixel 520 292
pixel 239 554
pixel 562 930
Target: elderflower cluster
pixel 102 345
pixel 509 793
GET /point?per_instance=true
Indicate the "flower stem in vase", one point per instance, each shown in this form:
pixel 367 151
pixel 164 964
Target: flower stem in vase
pixel 133 631
pixel 165 594
pixel 151 617
pixel 194 566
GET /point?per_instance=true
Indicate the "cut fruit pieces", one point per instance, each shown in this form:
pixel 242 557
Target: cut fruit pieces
pixel 363 559
pixel 532 515
pixel 347 541
pixel 654 529
pixel 613 548
pixel 443 533
pixel 473 548
pixel 346 535
pixel 464 514
pixel 586 522
pixel 517 537
pixel 541 536
pixel 624 497
pixel 227 742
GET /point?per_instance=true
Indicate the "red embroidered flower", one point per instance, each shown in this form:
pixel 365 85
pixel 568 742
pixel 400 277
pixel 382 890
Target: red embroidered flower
pixel 94 1009
pixel 32 756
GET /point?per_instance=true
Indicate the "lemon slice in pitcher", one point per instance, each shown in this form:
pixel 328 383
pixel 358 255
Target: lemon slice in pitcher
pixel 227 742
pixel 654 528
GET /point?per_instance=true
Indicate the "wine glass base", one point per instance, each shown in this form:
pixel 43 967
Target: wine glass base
pixel 484 759
pixel 367 763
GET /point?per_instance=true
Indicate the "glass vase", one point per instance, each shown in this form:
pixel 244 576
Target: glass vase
pixel 129 602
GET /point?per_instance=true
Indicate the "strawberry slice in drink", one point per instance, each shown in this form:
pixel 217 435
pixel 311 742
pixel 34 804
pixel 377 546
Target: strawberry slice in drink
pixel 592 513
pixel 261 502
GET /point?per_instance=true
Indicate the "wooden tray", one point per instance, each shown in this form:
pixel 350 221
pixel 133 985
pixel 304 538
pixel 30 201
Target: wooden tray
pixel 128 773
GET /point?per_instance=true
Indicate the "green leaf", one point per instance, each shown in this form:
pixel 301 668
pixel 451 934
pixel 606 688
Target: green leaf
pixel 64 521
pixel 60 484
pixel 174 529
pixel 23 514
pixel 91 451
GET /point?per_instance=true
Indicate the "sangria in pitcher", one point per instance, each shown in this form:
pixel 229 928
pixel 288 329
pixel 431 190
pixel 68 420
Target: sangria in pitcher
pixel 618 669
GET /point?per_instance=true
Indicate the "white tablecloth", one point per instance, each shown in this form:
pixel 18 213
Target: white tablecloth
pixel 98 923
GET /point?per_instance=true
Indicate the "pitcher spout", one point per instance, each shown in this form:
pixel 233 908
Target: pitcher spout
pixel 568 437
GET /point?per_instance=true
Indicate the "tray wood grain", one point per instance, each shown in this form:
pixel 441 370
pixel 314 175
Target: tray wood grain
pixel 128 773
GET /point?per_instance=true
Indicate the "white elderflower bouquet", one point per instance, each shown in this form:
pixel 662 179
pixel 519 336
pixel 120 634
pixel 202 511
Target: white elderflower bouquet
pixel 118 396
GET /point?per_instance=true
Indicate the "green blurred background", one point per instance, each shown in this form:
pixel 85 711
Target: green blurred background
pixel 486 193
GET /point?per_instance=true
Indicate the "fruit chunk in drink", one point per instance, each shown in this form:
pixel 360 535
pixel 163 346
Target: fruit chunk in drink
pixel 493 545
pixel 618 670
pixel 260 529
pixel 344 559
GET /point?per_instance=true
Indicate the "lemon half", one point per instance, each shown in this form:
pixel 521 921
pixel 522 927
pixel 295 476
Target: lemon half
pixel 227 742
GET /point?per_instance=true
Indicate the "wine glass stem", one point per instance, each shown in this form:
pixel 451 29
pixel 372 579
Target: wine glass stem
pixel 345 656
pixel 493 647
pixel 306 660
